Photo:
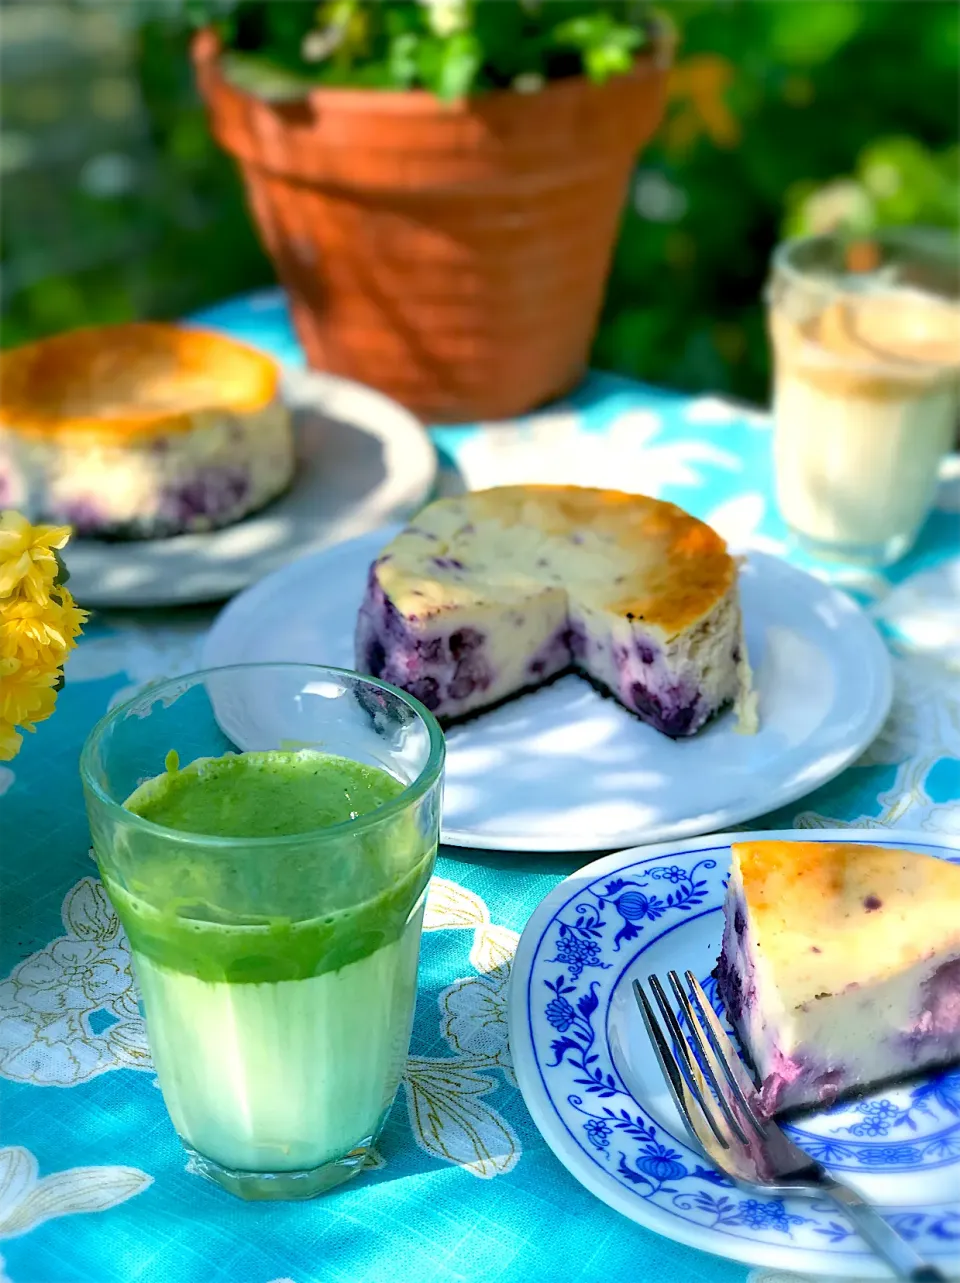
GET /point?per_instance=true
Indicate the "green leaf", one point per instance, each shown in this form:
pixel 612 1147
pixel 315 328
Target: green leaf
pixel 606 46
pixel 603 61
pixel 583 31
pixel 612 56
pixel 402 59
pixel 430 62
pixel 460 58
pixel 63 574
pixel 905 181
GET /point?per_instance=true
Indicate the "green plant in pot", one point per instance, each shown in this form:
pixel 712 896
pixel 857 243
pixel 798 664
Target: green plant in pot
pixel 438 184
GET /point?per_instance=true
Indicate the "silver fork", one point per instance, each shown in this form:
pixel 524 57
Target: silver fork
pixel 719 1103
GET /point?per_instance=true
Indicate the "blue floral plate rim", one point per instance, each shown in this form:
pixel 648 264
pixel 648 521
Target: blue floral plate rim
pixel 565 1008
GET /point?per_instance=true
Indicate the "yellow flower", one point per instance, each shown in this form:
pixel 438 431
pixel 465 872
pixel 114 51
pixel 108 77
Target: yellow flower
pixel 27 695
pixel 39 624
pixel 29 637
pixel 72 618
pixel 27 560
pixel 10 742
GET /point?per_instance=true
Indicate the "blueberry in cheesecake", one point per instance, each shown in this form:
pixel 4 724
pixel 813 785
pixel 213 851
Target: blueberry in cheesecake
pixel 141 430
pixel 495 592
pixel 840 966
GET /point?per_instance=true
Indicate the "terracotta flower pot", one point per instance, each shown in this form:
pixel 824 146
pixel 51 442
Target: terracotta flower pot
pixel 452 256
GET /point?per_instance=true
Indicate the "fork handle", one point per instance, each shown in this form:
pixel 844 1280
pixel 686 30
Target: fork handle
pixel 883 1238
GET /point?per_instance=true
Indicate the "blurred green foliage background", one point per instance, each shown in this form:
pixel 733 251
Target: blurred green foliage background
pixel 785 115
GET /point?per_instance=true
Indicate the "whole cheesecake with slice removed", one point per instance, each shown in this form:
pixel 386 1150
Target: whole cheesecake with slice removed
pixel 840 966
pixel 495 592
pixel 141 431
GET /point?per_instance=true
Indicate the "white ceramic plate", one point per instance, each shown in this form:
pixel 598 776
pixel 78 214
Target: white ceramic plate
pixel 363 460
pixel 564 769
pixel 593 1087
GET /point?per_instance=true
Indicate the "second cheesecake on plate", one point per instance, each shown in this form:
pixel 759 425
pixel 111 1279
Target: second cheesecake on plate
pixel 141 431
pixel 495 592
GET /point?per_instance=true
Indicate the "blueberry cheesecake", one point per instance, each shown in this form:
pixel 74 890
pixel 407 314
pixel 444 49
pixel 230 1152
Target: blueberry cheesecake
pixel 496 592
pixel 840 966
pixel 142 430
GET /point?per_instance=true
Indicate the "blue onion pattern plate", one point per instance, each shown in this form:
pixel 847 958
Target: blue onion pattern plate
pixel 594 1089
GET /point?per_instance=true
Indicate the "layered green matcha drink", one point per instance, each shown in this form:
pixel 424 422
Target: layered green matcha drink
pixel 273 899
pixel 279 1033
pixel 279 1039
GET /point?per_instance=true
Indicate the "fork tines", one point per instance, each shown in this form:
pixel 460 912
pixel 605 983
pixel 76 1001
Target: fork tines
pixel 716 1097
pixel 710 1084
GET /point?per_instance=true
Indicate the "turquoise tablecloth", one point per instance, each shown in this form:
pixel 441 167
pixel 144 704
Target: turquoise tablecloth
pixel 93 1183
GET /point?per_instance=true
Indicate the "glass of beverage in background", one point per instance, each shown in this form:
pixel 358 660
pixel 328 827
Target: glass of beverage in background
pixel 266 833
pixel 866 345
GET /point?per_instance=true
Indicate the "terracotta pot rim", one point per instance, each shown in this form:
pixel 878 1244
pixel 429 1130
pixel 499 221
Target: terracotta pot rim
pixel 206 48
pixel 341 179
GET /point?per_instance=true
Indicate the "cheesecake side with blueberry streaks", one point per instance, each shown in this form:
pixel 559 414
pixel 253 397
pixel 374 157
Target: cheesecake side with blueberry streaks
pixel 496 592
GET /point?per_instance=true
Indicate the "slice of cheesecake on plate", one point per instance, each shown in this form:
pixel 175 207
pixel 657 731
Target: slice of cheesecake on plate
pixel 840 966
pixel 495 592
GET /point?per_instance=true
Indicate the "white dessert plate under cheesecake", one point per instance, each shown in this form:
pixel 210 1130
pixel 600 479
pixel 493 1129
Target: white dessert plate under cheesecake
pixel 565 769
pixel 590 1079
pixel 362 460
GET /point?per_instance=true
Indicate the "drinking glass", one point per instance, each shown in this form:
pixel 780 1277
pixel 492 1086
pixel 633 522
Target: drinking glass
pixel 865 402
pixel 278 974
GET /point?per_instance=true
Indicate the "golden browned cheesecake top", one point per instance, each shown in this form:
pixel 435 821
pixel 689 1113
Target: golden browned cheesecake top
pixel 118 382
pixel 825 915
pixel 625 554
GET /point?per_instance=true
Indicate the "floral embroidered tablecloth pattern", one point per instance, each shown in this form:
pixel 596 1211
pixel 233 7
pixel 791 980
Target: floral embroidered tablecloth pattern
pixel 94 1187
